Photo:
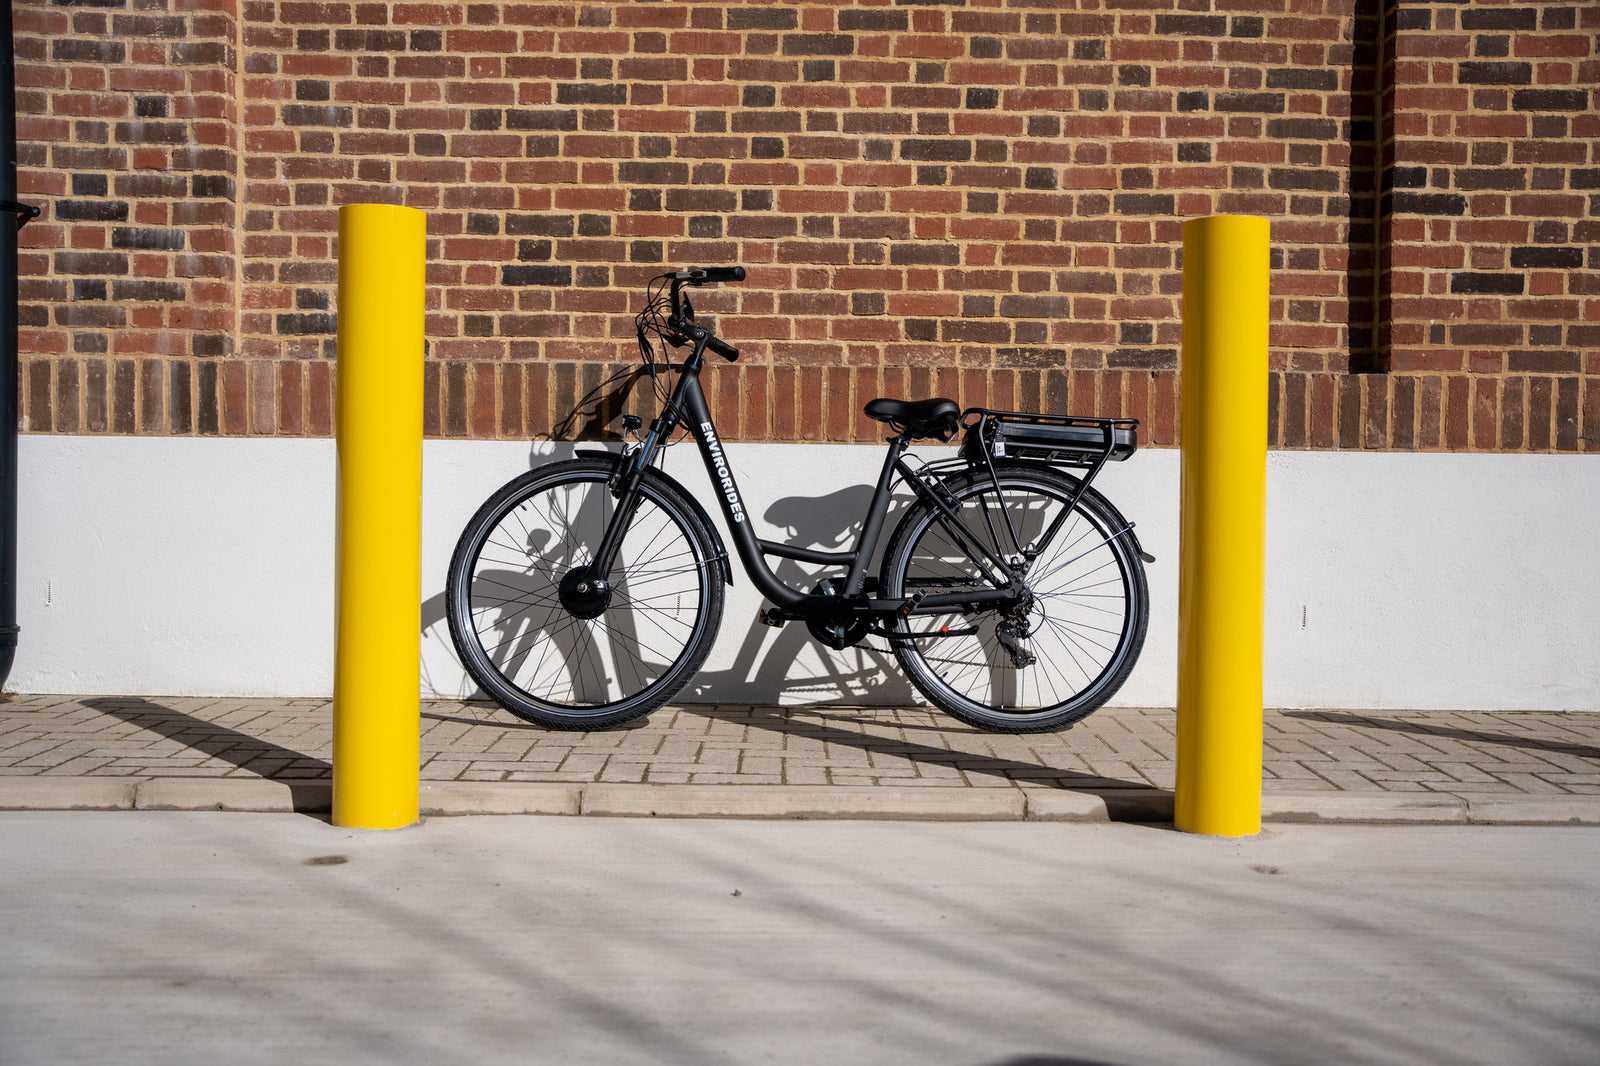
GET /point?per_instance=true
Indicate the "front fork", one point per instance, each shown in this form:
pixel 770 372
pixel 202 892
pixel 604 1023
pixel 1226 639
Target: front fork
pixel 624 488
pixel 585 590
pixel 633 461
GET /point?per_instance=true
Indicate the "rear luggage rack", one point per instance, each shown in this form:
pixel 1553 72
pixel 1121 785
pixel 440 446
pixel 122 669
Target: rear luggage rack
pixel 1062 440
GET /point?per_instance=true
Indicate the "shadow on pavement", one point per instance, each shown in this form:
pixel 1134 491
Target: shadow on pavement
pixel 778 720
pixel 1050 1060
pixel 1429 729
pixel 268 760
pixel 306 776
pixel 813 726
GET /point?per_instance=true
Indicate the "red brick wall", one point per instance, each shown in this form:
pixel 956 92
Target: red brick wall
pixel 1490 220
pixel 979 199
pixel 127 137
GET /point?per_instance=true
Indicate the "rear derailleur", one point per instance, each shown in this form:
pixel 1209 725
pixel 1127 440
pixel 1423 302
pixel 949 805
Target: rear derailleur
pixel 1014 628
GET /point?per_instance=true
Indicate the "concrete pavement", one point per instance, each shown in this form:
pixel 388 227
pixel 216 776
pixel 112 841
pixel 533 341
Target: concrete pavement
pixel 152 753
pixel 175 938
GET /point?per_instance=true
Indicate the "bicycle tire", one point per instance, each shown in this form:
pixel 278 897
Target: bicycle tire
pixel 1084 627
pixel 534 655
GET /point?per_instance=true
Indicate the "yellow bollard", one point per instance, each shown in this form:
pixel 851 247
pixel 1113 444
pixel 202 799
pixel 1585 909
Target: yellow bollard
pixel 376 694
pixel 1222 545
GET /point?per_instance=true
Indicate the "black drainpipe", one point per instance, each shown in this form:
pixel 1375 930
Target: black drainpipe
pixel 8 348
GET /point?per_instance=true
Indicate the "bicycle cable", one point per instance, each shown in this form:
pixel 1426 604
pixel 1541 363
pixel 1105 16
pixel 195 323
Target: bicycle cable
pixel 654 319
pixel 651 320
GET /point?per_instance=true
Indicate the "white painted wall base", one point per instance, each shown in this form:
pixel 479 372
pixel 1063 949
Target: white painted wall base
pixel 159 566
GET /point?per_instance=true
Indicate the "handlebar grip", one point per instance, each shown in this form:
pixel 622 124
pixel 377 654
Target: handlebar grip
pixel 727 351
pixel 716 274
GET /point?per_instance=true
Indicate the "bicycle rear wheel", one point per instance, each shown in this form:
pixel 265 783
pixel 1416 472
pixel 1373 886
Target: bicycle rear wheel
pixel 548 642
pixel 1067 649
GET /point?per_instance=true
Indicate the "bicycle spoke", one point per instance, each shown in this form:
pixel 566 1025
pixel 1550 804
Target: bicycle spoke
pixel 524 634
pixel 1069 634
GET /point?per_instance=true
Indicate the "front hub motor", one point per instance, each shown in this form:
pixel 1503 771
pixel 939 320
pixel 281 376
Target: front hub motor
pixel 584 596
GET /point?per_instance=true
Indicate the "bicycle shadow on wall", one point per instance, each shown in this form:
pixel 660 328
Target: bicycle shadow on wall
pixel 591 419
pixel 595 413
pixel 770 666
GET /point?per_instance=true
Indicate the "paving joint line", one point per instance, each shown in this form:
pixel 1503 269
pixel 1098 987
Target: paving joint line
pixel 799 802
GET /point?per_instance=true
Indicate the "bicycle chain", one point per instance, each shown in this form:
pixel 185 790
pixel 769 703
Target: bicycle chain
pixel 925 658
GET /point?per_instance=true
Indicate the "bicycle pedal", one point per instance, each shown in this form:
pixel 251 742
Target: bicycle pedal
pixel 769 617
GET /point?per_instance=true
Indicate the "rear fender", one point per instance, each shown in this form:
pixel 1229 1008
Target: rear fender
pixel 961 478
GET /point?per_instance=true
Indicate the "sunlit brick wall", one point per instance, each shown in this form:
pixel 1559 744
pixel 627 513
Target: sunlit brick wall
pixel 1491 225
pixel 127 138
pixel 978 199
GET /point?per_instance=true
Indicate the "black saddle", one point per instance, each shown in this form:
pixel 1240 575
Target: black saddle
pixel 918 418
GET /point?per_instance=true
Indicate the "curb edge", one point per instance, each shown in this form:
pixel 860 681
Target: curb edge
pixel 797 802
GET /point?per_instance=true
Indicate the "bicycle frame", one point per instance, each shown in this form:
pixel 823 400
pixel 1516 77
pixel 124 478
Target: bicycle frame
pixel 687 407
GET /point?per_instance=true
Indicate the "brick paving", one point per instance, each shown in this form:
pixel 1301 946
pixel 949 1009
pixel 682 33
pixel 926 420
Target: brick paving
pixel 1463 753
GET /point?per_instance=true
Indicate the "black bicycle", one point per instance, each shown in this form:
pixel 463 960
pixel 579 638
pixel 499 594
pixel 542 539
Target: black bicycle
pixel 587 592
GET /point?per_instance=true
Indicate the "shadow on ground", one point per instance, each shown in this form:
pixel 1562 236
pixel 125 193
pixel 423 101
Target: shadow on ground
pixel 809 723
pixel 1431 729
pixel 306 775
pixel 265 759
pixel 1048 1060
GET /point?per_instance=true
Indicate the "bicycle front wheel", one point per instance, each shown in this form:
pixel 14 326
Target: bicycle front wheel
pixel 1061 653
pixel 544 636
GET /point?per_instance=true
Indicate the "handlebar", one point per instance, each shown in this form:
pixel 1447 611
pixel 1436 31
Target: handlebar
pixel 710 275
pixel 683 312
pixel 695 335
